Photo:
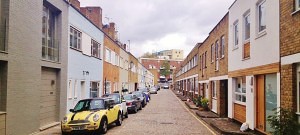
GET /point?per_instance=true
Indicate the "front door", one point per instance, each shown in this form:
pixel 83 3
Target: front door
pixel 214 97
pixel 260 102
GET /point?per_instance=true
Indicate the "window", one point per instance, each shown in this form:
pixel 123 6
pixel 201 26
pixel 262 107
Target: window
pixel 107 87
pixel 75 38
pixel 297 5
pixel 121 62
pixel 96 49
pixel 261 16
pixel 212 53
pixel 217 55
pixel 240 90
pixel 117 60
pixel 214 89
pixel 107 55
pixel 201 65
pixel 222 47
pixel 205 55
pixel 247 27
pixel 70 89
pixel 236 35
pixel 50 46
pixel 94 89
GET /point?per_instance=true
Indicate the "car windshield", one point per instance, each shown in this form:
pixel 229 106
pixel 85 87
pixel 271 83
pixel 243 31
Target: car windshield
pixel 128 97
pixel 115 97
pixel 137 93
pixel 85 105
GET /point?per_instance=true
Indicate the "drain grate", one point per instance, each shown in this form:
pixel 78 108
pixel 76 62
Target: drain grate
pixel 166 123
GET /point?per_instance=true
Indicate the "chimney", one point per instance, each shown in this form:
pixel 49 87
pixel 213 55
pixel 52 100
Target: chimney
pixel 75 3
pixel 94 14
pixel 112 30
pixel 124 47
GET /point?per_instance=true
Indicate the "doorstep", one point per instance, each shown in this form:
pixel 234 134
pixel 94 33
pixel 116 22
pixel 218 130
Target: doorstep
pixel 191 105
pixel 206 114
pixel 225 126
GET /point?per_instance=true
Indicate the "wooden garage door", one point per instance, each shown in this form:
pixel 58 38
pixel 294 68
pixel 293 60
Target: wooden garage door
pixel 48 101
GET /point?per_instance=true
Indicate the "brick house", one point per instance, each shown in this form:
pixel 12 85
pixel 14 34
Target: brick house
pixel 253 62
pixel 290 54
pixel 214 67
pixel 187 77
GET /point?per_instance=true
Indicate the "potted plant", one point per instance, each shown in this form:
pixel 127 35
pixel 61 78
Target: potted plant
pixel 284 122
pixel 204 103
pixel 198 101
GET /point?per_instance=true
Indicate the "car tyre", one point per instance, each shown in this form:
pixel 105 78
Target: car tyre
pixel 103 126
pixel 126 115
pixel 64 133
pixel 119 120
pixel 135 110
pixel 141 108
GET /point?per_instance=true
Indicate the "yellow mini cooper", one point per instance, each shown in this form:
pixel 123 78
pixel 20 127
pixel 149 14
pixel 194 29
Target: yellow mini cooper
pixel 91 116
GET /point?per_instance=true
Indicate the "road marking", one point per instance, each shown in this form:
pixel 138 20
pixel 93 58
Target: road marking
pixel 193 114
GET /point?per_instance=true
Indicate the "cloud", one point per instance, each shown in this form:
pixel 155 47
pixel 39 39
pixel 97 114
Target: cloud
pixel 162 24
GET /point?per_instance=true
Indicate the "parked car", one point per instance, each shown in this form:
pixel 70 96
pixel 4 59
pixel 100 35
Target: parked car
pixel 157 87
pixel 133 103
pixel 141 96
pixel 147 92
pixel 165 86
pixel 118 98
pixel 153 90
pixel 91 116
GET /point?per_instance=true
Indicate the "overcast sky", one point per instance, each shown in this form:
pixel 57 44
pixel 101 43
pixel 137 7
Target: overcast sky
pixel 155 25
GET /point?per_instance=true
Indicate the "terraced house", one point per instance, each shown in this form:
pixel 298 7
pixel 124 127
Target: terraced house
pixel 253 62
pixel 213 79
pixel 290 54
pixel 85 55
pixel 187 77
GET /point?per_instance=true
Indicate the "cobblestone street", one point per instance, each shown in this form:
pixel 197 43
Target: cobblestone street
pixel 165 114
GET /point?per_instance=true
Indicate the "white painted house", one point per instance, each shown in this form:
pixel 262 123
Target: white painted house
pixel 85 64
pixel 253 63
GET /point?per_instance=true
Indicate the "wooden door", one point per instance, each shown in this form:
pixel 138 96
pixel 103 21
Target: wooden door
pixel 260 103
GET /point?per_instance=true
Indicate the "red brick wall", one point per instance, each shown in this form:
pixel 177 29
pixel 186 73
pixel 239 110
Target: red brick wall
pixel 94 14
pixel 289 28
pixel 75 3
pixel 288 86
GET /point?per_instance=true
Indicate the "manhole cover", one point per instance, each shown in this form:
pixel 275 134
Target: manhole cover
pixel 166 123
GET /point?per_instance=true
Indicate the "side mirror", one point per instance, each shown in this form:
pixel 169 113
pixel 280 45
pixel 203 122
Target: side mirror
pixel 71 110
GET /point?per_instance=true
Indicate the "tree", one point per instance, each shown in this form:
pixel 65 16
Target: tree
pixel 165 71
pixel 148 55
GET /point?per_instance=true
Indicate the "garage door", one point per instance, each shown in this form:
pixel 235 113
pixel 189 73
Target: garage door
pixel 48 102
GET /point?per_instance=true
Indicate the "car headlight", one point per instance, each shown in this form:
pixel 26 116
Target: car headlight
pixel 65 120
pixel 96 117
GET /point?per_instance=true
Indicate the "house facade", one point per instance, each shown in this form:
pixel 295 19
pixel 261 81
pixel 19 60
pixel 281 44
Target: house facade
pixel 85 58
pixel 133 73
pixel 188 74
pixel 123 70
pixel 213 68
pixel 290 55
pixel 33 65
pixel 253 62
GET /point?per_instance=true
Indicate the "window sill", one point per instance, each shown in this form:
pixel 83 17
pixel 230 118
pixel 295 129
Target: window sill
pixel 240 103
pixel 5 52
pixel 261 34
pixel 76 49
pixel 56 62
pixel 2 113
pixel 235 48
pixel 298 113
pixel 244 59
pixel 295 12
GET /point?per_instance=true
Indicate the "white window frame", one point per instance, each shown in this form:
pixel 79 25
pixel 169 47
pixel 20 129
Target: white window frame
pixel 235 35
pixel 70 89
pixel 78 36
pixel 297 5
pixel 217 55
pixel 107 87
pixel 75 89
pixel 97 88
pixel 212 51
pixel 117 60
pixel 247 15
pixel 222 45
pixel 259 18
pixel 98 55
pixel 107 55
pixel 214 89
pixel 240 79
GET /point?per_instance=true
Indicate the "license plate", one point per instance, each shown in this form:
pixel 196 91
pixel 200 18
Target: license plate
pixel 78 128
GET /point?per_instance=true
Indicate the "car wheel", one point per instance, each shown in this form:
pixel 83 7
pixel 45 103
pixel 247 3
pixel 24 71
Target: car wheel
pixel 119 120
pixel 141 108
pixel 103 126
pixel 135 110
pixel 64 133
pixel 126 115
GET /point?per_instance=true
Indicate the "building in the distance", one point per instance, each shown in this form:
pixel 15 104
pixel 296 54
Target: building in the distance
pixel 174 54
pixel 155 65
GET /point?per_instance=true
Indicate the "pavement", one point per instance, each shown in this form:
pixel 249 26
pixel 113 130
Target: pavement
pixel 164 115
